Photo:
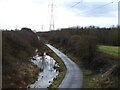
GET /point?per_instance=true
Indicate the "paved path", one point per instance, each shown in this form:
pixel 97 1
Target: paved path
pixel 73 77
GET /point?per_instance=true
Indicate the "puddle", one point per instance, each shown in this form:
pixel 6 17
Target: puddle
pixel 45 78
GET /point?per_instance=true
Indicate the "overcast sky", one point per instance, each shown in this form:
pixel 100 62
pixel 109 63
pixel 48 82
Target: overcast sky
pixel 67 13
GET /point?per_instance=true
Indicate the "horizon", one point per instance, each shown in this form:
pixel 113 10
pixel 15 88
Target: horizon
pixel 79 27
pixel 35 14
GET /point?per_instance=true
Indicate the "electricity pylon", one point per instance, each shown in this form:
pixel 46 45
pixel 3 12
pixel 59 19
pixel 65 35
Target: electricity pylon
pixel 52 17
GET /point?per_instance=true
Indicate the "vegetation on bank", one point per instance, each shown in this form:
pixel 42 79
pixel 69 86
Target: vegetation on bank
pixel 83 43
pixel 18 47
pixel 95 79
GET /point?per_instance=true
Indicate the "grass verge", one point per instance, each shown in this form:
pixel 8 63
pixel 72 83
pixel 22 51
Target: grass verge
pixel 62 69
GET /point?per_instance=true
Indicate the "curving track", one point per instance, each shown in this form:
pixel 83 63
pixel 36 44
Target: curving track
pixel 73 77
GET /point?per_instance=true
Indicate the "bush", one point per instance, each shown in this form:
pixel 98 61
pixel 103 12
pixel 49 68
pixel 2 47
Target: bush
pixel 86 49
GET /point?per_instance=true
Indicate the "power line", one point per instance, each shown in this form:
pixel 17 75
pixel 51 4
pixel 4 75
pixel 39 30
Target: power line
pixel 75 4
pixel 96 8
pixel 93 8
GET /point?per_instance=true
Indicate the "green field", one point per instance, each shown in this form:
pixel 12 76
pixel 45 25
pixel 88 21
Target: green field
pixel 113 50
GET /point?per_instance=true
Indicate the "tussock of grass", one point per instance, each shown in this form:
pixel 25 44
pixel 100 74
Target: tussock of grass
pixel 90 79
pixel 111 78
